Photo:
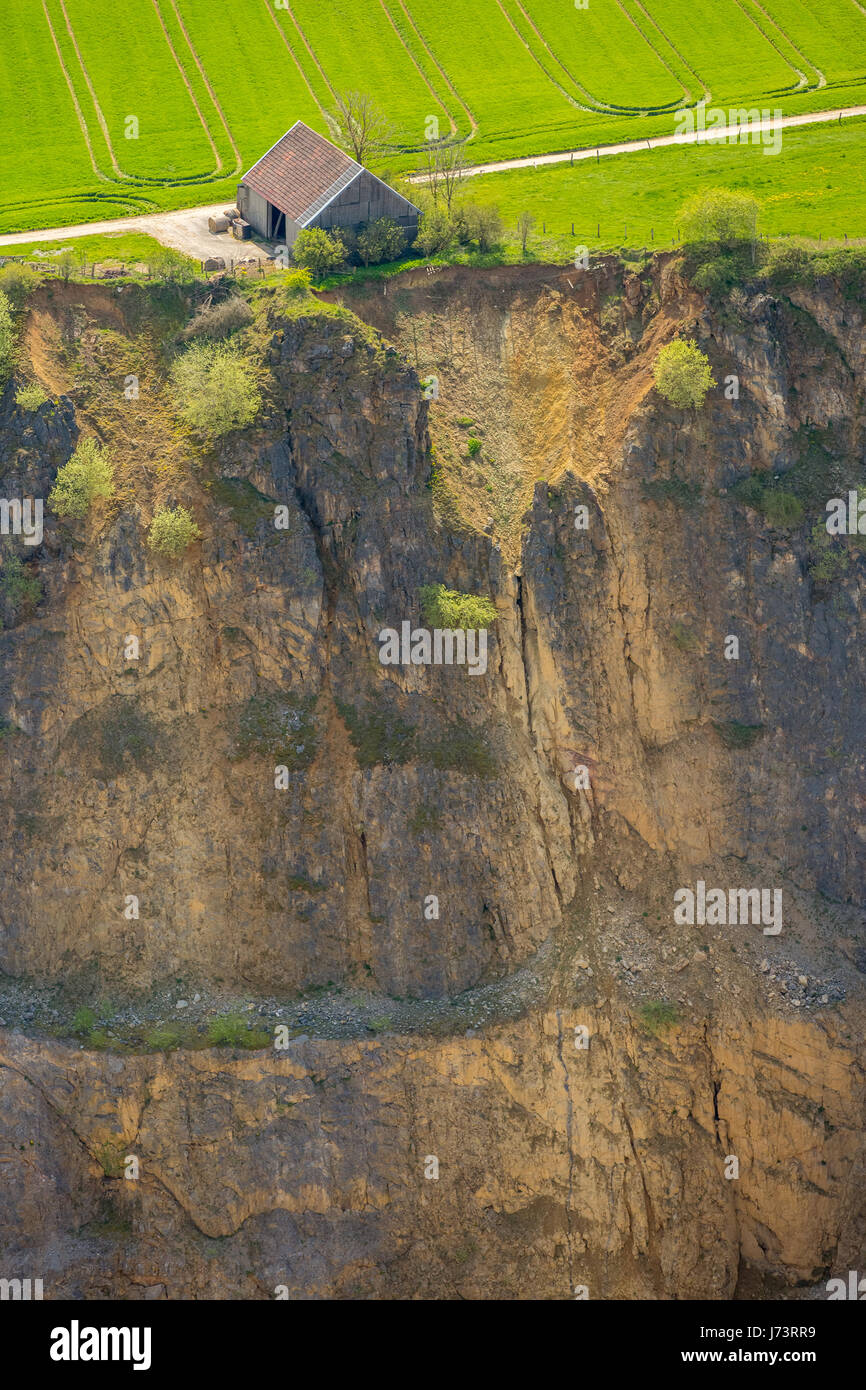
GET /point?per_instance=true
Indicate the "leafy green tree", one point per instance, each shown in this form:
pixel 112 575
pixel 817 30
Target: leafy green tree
pixel 320 251
pixel 172 530
pixel 722 215
pixel 88 474
pixel 380 241
pixel 682 373
pixel 215 389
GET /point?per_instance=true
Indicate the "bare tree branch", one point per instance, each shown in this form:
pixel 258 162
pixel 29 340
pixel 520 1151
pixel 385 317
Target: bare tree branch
pixel 359 125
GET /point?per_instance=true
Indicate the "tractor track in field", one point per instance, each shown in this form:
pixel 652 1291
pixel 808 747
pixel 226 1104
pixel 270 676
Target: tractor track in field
pixel 218 163
pixel 209 89
pixel 418 68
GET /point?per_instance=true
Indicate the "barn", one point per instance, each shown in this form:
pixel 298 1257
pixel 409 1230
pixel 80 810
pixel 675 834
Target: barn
pixel 305 181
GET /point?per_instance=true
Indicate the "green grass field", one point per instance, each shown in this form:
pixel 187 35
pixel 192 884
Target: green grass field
pixel 155 104
pixel 815 187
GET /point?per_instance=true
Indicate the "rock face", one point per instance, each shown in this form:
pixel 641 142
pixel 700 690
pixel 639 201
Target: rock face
pixel 644 1106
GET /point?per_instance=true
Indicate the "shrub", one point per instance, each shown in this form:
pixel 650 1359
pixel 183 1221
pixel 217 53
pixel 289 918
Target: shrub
pixel 22 589
pixel 88 474
pixel 319 251
pixel 171 531
pixel 163 1039
pixel 83 1020
pixel 7 338
pixel 18 282
pixel 782 509
pixel 220 320
pixel 473 445
pixel 682 373
pixel 657 1017
pixel 829 561
pixel 483 225
pixel 296 282
pixel 436 232
pixel 215 388
pixel 721 215
pixel 381 241
pixel 231 1030
pixel 171 267
pixel 447 608
pixel 31 396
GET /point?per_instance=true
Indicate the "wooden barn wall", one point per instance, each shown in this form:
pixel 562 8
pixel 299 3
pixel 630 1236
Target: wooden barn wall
pixel 254 208
pixel 365 200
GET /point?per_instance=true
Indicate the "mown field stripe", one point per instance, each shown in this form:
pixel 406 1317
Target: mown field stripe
pixel 734 62
pixel 644 18
pixel 422 74
pixel 285 39
pixel 602 37
pixel 218 163
pixel 97 108
pixel 834 39
pixel 78 112
pixel 583 100
pixel 426 49
pixel 767 24
pixel 210 91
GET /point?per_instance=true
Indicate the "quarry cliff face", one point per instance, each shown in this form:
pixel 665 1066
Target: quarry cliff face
pixel 567 1084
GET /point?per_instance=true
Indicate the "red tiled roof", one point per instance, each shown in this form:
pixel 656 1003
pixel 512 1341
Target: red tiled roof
pixel 299 171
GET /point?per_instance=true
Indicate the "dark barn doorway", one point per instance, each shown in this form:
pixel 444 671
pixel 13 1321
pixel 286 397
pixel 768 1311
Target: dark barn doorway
pixel 277 222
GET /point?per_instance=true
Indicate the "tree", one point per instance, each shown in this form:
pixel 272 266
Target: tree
pixel 721 215
pixel 171 531
pixel 88 474
pixel 359 124
pixel 446 163
pixel 215 389
pixel 383 240
pixel 525 224
pixel 318 250
pixel 682 373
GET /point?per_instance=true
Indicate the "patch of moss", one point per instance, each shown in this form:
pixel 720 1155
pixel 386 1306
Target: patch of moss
pixel 247 505
pixel 378 734
pixel 676 490
pixel 277 726
pixel 736 735
pixel 425 820
pixel 114 732
pixel 459 748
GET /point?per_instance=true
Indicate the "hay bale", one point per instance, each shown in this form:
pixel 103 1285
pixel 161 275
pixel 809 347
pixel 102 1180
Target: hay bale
pixel 214 263
pixel 218 224
pixel 231 214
